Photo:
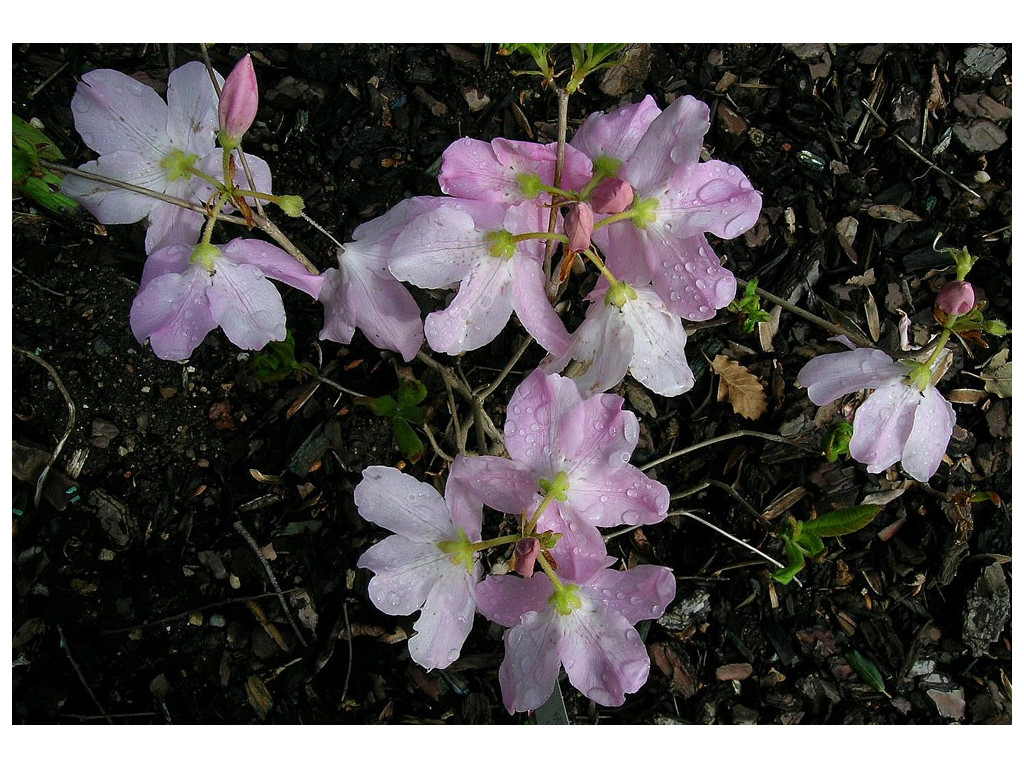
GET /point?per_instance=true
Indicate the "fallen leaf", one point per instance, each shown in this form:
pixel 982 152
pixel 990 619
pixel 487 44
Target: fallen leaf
pixel 893 213
pixel 846 229
pixel 740 387
pixel 997 375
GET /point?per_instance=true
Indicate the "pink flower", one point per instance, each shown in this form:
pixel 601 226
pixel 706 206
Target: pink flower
pixel 897 422
pixel 472 243
pixel 956 298
pixel 630 330
pixel 149 143
pixel 677 199
pixel 239 101
pixel 611 196
pixel 556 439
pixel 507 172
pixel 585 624
pixel 429 564
pixel 362 293
pixel 187 291
pixel 579 226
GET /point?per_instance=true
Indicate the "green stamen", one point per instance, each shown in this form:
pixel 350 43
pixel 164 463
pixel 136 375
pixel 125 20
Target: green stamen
pixel 461 551
pixel 501 244
pixel 619 294
pixel 205 255
pixel 179 165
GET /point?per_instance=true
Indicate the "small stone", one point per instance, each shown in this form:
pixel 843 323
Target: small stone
pixel 734 671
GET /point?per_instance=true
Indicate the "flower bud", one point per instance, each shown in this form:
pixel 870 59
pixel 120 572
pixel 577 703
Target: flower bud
pixel 527 551
pixel 579 226
pixel 612 196
pixel 956 298
pixel 239 100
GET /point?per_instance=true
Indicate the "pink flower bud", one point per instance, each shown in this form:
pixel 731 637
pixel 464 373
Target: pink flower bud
pixel 579 226
pixel 956 298
pixel 612 196
pixel 239 99
pixel 527 551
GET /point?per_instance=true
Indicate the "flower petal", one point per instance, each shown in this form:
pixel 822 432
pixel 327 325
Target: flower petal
pixel 622 497
pixel 530 668
pixel 709 197
pixel 274 263
pixel 403 505
pixel 883 424
pixel 531 420
pixel 673 140
pixel 533 308
pixel 642 592
pixel 659 358
pixel 406 571
pixel 246 305
pixel 479 311
pixel 504 599
pixel 446 619
pixel 114 112
pixel 173 312
pixel 688 276
pixel 617 133
pixel 498 482
pixel 933 426
pixel 192 121
pixel 113 205
pixel 829 377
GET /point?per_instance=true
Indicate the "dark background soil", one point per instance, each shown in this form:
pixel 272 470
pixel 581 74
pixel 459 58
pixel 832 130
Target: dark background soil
pixel 137 600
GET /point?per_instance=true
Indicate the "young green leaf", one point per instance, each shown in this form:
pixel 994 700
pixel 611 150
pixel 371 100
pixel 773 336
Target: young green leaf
pixel 795 556
pixel 840 522
pixel 408 441
pixel 867 670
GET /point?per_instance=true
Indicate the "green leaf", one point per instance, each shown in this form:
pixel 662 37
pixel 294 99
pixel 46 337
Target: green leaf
pixel 385 405
pixel 867 670
pixel 837 442
pixel 840 522
pixel 811 544
pixel 408 441
pixel 410 392
pixel 795 556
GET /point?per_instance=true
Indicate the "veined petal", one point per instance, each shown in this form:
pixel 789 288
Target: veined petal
pixel 464 506
pixel 596 436
pixel 114 112
pixel 173 312
pixel 446 618
pixel 173 258
pixel 498 482
pixel 504 599
pixel 479 311
pixel 406 571
pixel 673 140
pixel 624 247
pixel 531 421
pixel 246 305
pixel 339 323
pixel 403 505
pixel 829 377
pixel 617 133
pixel 624 496
pixel 532 307
pixel 882 425
pixel 192 121
pixel 530 668
pixel 274 263
pixel 659 357
pixel 603 655
pixel 709 197
pixel 933 426
pixel 603 343
pixel 642 592
pixel 688 277
pixel 113 205
pixel 172 225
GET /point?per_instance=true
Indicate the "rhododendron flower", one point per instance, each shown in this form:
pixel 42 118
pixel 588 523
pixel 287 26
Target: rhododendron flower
pixel 897 422
pixel 362 293
pixel 507 172
pixel 628 329
pixel 676 200
pixel 472 243
pixel 429 564
pixel 187 291
pixel 585 624
pixel 578 451
pixel 239 102
pixel 149 143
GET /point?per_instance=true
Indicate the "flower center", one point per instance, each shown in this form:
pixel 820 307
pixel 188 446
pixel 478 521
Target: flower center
pixel 619 294
pixel 566 599
pixel 501 244
pixel 205 255
pixel 460 551
pixel 178 165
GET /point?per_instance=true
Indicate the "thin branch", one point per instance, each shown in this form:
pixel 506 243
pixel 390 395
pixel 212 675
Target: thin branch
pixel 483 394
pixel 721 439
pixel 270 575
pixel 81 677
pixel 712 526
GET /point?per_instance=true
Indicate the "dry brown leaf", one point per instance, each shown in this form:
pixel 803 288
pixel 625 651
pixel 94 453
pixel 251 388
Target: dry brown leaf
pixel 740 387
pixel 893 213
pixel 997 375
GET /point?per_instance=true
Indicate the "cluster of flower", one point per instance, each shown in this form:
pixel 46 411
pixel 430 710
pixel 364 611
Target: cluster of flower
pixel 631 196
pixel 567 474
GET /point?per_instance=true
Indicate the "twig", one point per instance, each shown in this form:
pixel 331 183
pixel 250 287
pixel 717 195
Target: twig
pixel 348 669
pixel 809 316
pixel 712 526
pixel 270 575
pixel 185 614
pixel 906 145
pixel 81 677
pixel 721 439
pixel 41 482
pixel 486 392
pixel 338 386
pixel 38 89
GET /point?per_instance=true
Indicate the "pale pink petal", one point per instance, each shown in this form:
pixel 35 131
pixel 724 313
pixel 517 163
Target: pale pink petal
pixel 689 278
pixel 246 305
pixel 403 505
pixel 532 307
pixel 192 120
pixel 504 599
pixel 603 655
pixel 603 344
pixel 274 263
pixel 479 311
pixel 617 133
pixel 173 312
pixel 596 436
pixel 113 205
pixel 581 550
pixel 829 377
pixel 883 424
pixel 622 497
pixel 498 482
pixel 532 418
pixel 659 357
pixel 463 505
pixel 530 668
pixel 173 258
pixel 642 592
pixel 708 197
pixel 623 247
pixel 405 573
pixel 933 426
pixel 446 619
pixel 673 140
pixel 114 112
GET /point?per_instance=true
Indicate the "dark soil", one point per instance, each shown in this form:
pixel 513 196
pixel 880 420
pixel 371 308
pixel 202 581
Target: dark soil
pixel 137 599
